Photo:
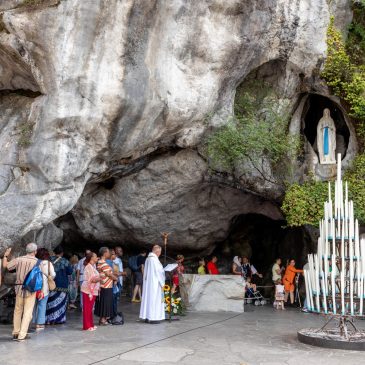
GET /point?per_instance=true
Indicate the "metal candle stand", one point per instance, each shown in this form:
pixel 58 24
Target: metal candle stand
pixel 335 281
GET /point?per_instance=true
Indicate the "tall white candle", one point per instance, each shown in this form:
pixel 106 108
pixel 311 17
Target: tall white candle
pixel 362 254
pixel 351 249
pixel 306 287
pixel 336 201
pixel 333 289
pixel 357 254
pixel 333 237
pixel 338 166
pixel 317 283
pixel 361 295
pixel 320 249
pixel 324 293
pixel 310 288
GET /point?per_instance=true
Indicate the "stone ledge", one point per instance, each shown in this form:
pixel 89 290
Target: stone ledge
pixel 212 293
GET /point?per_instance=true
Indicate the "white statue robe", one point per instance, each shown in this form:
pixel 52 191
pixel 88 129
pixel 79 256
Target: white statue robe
pixel 326 122
pixel 152 305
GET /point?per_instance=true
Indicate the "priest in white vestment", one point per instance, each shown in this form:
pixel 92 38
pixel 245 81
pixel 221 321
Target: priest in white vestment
pixel 152 305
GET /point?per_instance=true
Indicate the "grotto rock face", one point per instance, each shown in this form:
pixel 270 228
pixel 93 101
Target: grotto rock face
pixel 92 88
pixel 175 199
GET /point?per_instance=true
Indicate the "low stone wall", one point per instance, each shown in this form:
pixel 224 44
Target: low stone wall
pixel 212 293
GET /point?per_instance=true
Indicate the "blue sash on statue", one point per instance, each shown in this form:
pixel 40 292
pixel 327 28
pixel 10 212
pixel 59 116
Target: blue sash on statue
pixel 326 146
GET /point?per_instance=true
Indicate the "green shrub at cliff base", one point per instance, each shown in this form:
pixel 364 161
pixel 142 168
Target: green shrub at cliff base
pixel 303 203
pixel 258 131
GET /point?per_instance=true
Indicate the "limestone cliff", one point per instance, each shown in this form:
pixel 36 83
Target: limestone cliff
pixel 104 105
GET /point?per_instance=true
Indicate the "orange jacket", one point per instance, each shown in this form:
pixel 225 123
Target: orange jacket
pixel 290 274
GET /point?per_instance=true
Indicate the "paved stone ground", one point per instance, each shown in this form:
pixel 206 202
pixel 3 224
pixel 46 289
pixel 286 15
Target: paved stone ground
pixel 261 336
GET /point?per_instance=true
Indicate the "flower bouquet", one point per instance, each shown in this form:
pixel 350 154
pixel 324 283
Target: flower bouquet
pixel 175 306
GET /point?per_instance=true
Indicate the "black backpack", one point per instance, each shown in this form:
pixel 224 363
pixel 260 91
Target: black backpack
pixel 117 320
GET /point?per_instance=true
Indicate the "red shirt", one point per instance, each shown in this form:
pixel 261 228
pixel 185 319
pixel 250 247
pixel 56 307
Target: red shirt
pixel 211 266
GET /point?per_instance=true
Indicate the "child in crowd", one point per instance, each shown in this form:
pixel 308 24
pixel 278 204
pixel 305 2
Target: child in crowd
pixel 250 285
pixel 179 270
pixel 201 268
pixel 279 296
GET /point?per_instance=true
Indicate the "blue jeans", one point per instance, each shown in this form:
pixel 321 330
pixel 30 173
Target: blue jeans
pixel 39 312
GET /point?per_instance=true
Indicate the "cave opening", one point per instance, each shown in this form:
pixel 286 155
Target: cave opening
pixel 262 240
pixel 108 183
pixel 313 112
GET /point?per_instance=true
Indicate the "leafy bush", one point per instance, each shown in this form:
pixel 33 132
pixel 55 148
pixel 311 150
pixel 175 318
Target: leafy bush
pixel 303 204
pixel 258 131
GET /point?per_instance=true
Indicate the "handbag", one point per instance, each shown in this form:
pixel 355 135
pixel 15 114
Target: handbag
pixel 51 282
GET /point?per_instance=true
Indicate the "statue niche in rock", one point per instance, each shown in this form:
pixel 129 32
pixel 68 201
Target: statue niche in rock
pixel 326 139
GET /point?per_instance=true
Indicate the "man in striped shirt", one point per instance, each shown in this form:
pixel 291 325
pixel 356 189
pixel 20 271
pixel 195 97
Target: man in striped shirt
pixel 25 301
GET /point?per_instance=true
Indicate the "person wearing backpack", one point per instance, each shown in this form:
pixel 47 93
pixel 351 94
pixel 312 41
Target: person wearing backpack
pixel 136 264
pixel 28 275
pixel 39 314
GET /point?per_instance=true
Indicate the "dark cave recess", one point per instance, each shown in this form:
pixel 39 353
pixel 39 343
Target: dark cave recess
pixel 313 112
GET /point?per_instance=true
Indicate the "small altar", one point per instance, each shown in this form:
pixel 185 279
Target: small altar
pixel 212 293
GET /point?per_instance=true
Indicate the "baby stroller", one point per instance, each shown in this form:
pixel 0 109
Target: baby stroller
pixel 254 297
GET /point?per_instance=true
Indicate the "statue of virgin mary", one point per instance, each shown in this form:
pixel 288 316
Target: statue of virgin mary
pixel 326 139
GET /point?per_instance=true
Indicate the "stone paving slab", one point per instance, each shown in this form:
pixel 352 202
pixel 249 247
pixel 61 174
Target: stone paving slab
pixel 262 336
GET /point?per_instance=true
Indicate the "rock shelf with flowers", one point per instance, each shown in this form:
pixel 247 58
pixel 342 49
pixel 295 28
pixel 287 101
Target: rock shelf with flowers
pixel 176 305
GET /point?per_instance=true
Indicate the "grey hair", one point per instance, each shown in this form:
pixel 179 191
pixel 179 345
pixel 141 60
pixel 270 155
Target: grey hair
pixel 156 248
pixel 31 247
pixel 102 250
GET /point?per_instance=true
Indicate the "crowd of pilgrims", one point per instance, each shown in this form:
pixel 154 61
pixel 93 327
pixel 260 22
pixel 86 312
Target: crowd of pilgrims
pixel 95 283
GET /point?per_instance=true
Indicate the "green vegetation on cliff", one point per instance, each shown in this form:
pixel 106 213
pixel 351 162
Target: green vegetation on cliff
pixel 259 132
